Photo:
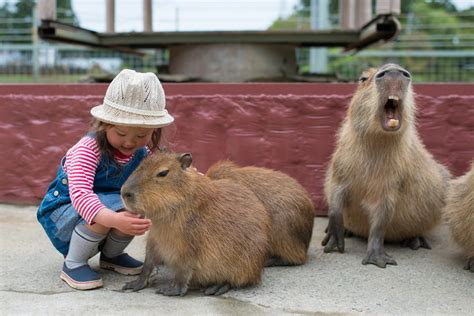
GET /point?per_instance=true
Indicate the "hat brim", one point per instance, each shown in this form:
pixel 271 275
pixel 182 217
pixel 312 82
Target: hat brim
pixel 137 121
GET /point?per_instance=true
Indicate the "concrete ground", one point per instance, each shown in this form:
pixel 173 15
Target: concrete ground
pixel 424 282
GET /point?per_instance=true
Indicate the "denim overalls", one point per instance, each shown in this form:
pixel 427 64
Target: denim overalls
pixel 59 217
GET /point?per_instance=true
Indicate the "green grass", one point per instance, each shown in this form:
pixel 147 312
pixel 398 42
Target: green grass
pixel 15 78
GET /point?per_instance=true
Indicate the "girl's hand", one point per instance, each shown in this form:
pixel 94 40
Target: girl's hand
pixel 131 224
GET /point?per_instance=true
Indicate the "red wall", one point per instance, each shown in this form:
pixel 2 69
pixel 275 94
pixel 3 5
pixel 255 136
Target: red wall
pixel 289 127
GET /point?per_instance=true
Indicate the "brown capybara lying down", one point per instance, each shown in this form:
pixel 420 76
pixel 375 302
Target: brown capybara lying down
pixel 287 202
pixel 212 234
pixel 382 183
pixel 459 213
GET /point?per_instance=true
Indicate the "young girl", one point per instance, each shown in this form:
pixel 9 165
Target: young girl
pixel 82 211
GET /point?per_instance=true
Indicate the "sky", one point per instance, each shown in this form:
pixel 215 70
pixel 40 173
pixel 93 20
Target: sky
pixel 193 15
pixel 185 15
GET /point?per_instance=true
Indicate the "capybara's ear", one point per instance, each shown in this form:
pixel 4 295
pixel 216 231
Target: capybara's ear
pixel 186 160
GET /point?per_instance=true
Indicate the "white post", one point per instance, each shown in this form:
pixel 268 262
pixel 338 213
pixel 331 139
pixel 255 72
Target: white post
pixel 346 14
pixel 388 7
pixel 147 16
pixel 110 16
pixel 46 9
pixel 364 13
pixel 35 72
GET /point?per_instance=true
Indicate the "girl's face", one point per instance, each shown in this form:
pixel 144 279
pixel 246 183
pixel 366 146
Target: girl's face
pixel 128 139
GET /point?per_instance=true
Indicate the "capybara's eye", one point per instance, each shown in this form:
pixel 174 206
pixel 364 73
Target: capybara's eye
pixel 163 173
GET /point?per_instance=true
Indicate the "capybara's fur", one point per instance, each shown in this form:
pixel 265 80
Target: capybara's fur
pixel 287 202
pixel 459 213
pixel 381 178
pixel 211 233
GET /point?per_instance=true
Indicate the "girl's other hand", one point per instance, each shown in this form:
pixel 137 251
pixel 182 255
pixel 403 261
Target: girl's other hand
pixel 131 224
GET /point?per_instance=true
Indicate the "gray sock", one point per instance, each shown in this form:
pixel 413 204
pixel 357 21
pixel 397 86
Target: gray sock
pixel 115 244
pixel 84 245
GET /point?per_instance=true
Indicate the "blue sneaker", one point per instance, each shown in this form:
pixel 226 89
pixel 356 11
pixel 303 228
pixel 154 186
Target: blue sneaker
pixel 123 264
pixel 81 278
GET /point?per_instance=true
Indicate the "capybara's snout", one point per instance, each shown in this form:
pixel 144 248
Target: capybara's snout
pixel 128 196
pixel 394 72
pixel 393 79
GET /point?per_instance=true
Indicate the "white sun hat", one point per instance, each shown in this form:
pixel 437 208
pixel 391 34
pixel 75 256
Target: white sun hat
pixel 134 99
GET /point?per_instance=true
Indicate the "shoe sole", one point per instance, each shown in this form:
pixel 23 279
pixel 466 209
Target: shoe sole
pixel 120 269
pixel 89 285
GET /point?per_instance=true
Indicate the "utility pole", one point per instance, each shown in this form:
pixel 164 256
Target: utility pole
pixel 318 57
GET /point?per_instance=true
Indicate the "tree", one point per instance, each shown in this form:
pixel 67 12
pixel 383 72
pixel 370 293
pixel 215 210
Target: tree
pixel 24 9
pixel 19 16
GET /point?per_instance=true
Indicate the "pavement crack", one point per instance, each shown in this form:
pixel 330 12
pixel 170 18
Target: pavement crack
pixel 37 293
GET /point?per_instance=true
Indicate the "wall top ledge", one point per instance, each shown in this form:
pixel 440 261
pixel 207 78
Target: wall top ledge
pixel 199 89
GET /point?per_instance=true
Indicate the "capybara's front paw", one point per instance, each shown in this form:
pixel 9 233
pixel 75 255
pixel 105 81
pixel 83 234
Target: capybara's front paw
pixel 379 258
pixel 334 239
pixel 470 264
pixel 217 289
pixel 416 242
pixel 135 285
pixel 172 290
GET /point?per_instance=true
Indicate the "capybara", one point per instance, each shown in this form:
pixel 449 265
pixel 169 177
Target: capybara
pixel 287 202
pixel 459 213
pixel 212 234
pixel 381 182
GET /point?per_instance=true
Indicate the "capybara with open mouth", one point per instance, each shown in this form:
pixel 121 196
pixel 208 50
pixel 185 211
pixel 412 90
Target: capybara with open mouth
pixel 212 234
pixel 459 213
pixel 382 183
pixel 287 202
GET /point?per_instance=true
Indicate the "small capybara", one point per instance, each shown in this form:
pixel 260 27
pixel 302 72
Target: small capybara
pixel 287 202
pixel 381 182
pixel 212 234
pixel 459 213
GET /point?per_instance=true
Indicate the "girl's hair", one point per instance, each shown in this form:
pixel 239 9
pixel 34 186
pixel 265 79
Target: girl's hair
pixel 106 150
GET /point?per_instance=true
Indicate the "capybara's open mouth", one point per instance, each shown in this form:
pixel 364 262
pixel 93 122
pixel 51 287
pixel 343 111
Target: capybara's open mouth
pixel 391 118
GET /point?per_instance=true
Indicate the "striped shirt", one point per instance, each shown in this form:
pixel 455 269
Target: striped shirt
pixel 81 164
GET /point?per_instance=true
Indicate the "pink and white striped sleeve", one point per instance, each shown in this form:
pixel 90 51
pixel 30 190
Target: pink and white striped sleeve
pixel 81 164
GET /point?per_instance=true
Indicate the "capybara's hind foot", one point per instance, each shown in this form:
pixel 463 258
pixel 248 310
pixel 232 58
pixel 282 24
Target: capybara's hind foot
pixel 217 289
pixel 469 264
pixel 416 242
pixel 135 285
pixel 379 258
pixel 172 290
pixel 278 262
pixel 347 232
pixel 334 237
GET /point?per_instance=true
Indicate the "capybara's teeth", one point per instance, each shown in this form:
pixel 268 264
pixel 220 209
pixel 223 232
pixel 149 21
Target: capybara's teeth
pixel 392 123
pixel 393 97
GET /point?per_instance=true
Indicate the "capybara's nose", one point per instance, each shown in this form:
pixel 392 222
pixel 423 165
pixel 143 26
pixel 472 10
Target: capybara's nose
pixel 127 195
pixel 394 73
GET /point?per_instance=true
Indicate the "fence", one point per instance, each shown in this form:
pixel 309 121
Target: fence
pixel 433 53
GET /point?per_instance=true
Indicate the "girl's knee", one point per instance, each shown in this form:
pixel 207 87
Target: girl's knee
pixel 99 229
pixel 119 233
